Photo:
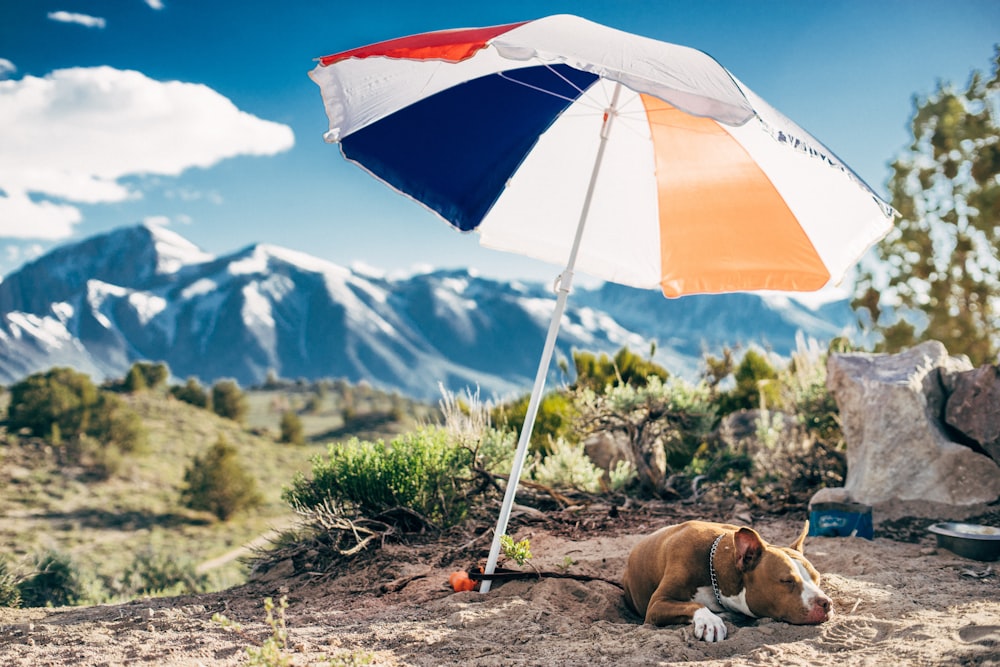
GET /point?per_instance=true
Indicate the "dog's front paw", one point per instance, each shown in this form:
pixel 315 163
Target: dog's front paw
pixel 708 626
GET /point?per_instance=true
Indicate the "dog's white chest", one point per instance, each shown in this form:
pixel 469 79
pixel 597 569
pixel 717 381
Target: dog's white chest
pixel 705 596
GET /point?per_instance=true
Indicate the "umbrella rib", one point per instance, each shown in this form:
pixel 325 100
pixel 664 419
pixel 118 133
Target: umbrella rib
pixel 567 98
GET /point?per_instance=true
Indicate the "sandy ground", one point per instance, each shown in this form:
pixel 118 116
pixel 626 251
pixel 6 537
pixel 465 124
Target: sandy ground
pixel 897 603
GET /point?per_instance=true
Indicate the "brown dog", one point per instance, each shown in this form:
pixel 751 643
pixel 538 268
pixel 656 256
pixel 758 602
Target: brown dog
pixel 686 572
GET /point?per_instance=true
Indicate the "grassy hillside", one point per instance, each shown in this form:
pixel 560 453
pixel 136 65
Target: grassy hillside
pixel 102 524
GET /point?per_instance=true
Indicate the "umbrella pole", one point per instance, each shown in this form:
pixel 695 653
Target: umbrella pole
pixel 563 286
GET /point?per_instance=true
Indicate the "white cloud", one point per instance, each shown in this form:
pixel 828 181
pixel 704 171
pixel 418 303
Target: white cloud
pixel 15 254
pixel 6 67
pixel 155 4
pixel 20 217
pixel 80 130
pixel 82 19
pixel 158 220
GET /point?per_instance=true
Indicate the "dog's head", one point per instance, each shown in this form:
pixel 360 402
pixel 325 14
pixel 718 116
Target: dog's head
pixel 779 582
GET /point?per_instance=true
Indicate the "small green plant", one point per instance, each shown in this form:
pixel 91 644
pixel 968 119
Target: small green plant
pixel 622 475
pixel 519 552
pixel 351 659
pixel 567 563
pixel 272 651
pixel 568 467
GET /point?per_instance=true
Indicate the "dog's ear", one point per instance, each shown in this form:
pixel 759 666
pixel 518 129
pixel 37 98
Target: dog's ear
pixel 749 548
pixel 797 544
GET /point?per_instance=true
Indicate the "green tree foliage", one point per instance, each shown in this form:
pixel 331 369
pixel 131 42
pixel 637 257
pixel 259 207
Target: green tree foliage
pixel 146 375
pixel 64 405
pixel 56 582
pixel 191 392
pixel 218 483
pixel 291 428
pixel 554 420
pixel 756 383
pixel 135 381
pixel 938 275
pixel 599 372
pixel 229 401
pixel 60 398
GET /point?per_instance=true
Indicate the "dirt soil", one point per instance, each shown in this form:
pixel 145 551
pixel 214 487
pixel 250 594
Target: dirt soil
pixel 896 602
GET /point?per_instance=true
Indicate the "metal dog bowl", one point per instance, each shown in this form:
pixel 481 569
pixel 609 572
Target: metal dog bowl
pixel 968 540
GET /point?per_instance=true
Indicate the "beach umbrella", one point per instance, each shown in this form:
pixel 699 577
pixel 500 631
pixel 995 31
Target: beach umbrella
pixel 633 160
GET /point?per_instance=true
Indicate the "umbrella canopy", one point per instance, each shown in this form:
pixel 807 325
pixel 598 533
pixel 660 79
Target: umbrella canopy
pixel 705 188
pixel 637 161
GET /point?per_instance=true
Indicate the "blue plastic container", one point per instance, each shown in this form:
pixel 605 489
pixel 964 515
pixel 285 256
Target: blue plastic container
pixel 841 520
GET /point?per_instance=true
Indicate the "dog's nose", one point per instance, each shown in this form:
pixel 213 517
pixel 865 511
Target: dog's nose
pixel 823 603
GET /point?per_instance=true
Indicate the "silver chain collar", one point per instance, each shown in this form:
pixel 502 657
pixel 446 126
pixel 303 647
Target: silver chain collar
pixel 711 570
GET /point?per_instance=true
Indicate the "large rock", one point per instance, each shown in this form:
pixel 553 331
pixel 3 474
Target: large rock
pixel 897 449
pixel 973 408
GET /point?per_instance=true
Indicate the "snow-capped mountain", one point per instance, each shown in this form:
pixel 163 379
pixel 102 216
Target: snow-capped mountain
pixel 146 293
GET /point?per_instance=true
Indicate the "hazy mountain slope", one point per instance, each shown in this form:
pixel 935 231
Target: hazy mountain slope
pixel 145 292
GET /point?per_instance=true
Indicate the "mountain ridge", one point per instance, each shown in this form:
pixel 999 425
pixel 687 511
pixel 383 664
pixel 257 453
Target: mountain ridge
pixel 146 293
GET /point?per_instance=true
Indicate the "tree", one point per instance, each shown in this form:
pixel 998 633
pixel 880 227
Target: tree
pixel 626 367
pixel 228 401
pixel 756 383
pixel 218 483
pixel 61 400
pixel 938 275
pixel 291 428
pixel 146 375
pixel 64 405
pixel 663 423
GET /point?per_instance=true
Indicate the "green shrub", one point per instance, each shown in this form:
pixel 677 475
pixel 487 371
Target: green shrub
pixel 56 582
pixel 756 384
pixel 556 414
pixel 146 375
pixel 291 428
pixel 135 381
pixel 191 392
pixel 156 572
pixel 665 423
pixel 103 461
pixel 60 398
pixel 621 476
pixel 218 483
pixel 567 466
pixel 10 596
pixel 424 472
pixel 229 401
pixel 65 407
pixel 114 424
pixel 599 373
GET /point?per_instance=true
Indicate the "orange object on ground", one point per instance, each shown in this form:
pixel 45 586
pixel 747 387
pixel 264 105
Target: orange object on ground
pixel 460 581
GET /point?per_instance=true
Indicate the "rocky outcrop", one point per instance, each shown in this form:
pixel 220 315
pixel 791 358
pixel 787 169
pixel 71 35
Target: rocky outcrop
pixel 973 408
pixel 891 410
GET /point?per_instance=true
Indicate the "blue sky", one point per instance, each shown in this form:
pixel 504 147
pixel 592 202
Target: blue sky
pixel 200 114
